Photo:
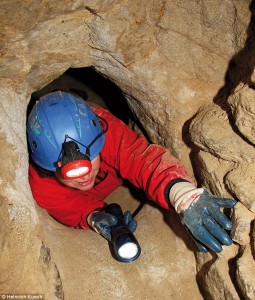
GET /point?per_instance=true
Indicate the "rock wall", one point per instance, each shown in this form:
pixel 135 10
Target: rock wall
pixel 178 64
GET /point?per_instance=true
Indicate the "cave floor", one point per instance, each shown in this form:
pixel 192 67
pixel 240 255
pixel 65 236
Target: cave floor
pixel 165 269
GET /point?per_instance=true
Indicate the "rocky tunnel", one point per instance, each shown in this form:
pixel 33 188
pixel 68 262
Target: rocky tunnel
pixel 189 86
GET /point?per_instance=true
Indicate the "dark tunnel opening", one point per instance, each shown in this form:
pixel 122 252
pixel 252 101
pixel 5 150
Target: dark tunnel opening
pixel 91 86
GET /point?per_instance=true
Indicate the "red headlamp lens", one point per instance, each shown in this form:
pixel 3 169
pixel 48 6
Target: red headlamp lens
pixel 76 169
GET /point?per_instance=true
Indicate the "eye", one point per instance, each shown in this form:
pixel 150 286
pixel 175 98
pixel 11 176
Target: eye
pixel 94 122
pixel 34 144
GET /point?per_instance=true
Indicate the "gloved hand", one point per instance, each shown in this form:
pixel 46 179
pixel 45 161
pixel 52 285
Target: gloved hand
pixel 102 221
pixel 200 212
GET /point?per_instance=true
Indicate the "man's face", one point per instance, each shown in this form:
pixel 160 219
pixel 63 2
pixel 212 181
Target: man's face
pixel 84 183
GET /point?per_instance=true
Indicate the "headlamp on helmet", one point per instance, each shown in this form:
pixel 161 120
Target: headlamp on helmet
pixel 72 163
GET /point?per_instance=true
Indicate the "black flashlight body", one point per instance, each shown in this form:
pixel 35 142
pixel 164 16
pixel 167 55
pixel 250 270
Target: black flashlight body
pixel 122 237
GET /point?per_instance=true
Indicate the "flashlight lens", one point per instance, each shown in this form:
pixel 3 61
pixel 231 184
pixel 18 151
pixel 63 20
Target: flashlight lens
pixel 128 250
pixel 77 172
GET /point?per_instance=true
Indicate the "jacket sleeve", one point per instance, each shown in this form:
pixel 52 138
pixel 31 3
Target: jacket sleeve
pixel 62 203
pixel 148 166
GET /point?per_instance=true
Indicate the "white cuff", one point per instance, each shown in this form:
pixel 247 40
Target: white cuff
pixel 182 194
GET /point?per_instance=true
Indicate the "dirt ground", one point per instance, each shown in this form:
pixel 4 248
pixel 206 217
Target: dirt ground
pixel 165 269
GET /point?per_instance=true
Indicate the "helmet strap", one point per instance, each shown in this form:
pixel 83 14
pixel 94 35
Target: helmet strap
pixel 99 135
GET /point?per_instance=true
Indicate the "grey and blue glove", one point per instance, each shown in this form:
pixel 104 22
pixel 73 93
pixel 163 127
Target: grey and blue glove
pixel 200 213
pixel 102 222
pixel 207 223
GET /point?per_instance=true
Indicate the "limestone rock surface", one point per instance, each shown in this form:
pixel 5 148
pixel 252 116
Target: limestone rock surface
pixel 178 63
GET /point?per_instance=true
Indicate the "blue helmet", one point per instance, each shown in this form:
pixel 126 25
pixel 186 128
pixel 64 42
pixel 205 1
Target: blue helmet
pixel 56 118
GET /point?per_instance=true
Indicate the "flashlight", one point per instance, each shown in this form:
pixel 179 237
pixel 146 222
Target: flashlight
pixel 73 163
pixel 125 246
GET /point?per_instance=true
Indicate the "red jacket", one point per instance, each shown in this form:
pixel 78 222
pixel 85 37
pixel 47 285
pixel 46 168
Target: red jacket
pixel 125 155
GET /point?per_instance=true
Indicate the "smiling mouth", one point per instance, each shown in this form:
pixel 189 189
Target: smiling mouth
pixel 85 182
